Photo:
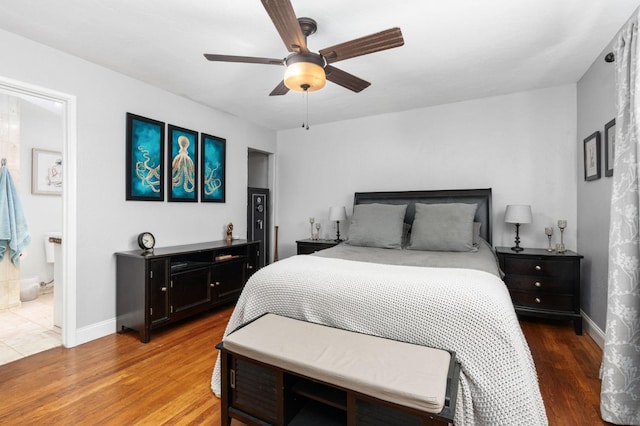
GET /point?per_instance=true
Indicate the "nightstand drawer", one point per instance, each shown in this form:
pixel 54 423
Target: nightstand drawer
pixel 538 283
pixel 542 300
pixel 539 267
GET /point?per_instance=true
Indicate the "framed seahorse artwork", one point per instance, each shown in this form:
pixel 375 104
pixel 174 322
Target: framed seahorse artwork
pixel 213 168
pixel 182 163
pixel 145 159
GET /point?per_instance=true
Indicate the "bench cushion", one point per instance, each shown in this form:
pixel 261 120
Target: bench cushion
pixel 402 373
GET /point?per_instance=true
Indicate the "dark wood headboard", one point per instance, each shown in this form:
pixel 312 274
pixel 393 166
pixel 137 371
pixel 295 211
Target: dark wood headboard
pixel 481 197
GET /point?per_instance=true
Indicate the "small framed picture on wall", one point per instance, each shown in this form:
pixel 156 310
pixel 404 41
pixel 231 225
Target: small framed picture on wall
pixel 609 146
pixel 592 157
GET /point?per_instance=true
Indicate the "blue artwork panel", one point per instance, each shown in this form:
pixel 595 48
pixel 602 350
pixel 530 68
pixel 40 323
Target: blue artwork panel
pixel 183 164
pixel 213 169
pixel 145 159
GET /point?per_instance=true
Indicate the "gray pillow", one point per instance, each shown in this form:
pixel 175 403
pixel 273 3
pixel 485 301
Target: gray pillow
pixel 377 225
pixel 443 227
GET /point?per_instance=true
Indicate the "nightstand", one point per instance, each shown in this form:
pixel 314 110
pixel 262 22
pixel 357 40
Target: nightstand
pixel 309 246
pixel 543 284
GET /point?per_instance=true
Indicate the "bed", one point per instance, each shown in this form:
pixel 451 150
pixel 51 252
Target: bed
pixel 418 267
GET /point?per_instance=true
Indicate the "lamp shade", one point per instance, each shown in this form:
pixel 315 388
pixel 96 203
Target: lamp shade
pixel 338 213
pixel 305 72
pixel 518 213
pixel 304 76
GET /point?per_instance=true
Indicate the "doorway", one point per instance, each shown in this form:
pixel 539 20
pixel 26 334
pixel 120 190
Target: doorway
pixel 67 250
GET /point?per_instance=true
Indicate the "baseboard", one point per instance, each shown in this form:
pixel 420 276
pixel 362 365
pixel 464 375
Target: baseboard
pixel 95 331
pixel 592 330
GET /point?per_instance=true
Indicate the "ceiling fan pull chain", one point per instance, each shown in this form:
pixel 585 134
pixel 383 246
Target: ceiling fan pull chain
pixel 305 95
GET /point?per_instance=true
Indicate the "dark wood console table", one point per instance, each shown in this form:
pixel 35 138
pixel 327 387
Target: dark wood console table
pixel 171 283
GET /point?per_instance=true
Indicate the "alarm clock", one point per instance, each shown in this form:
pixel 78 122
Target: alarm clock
pixel 146 241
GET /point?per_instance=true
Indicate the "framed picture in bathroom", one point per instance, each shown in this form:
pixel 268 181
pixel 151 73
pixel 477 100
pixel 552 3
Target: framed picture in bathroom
pixel 145 159
pixel 46 172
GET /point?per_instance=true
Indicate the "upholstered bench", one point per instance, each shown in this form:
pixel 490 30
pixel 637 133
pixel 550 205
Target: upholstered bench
pixel 282 371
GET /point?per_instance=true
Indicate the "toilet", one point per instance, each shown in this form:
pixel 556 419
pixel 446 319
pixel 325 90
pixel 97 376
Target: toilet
pixel 29 289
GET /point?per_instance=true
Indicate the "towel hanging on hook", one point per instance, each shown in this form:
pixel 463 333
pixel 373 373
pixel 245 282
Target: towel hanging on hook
pixel 14 232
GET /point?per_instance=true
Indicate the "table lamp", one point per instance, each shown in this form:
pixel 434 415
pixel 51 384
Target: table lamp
pixel 338 214
pixel 518 214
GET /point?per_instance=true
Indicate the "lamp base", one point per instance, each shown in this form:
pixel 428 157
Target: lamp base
pixel 517 247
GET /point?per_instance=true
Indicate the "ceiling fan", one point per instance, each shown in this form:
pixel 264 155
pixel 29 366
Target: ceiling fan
pixel 308 71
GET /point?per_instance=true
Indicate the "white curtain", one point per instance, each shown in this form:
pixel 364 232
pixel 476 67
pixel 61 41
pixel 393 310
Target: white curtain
pixel 620 393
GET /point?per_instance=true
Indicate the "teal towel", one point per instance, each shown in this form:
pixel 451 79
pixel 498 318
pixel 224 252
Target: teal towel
pixel 14 232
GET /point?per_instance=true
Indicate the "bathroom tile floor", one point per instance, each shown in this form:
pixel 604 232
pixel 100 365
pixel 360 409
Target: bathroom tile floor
pixel 28 329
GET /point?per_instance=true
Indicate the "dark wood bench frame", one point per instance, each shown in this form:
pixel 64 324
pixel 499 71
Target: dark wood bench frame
pixel 256 393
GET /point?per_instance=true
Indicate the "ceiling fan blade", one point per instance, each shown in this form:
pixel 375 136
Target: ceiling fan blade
pixel 344 79
pixel 383 40
pixel 280 89
pixel 244 59
pixel 284 18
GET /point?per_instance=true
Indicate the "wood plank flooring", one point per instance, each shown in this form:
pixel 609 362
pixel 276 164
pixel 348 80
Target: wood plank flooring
pixel 117 380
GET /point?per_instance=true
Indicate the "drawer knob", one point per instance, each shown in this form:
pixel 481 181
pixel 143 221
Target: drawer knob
pixel 538 300
pixel 538 268
pixel 163 289
pixel 538 284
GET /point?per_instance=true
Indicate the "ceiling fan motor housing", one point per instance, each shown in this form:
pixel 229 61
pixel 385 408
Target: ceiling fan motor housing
pixel 305 72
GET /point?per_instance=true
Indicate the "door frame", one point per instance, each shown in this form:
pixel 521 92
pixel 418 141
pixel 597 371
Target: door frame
pixel 69 197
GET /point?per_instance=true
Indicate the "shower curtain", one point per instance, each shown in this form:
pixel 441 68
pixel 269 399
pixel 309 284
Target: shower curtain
pixel 620 392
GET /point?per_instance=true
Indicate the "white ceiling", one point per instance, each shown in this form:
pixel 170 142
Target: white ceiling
pixel 454 50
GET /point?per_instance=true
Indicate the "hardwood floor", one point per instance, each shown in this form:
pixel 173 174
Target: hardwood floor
pixel 116 380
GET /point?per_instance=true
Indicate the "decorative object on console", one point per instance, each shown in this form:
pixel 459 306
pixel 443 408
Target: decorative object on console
pixel 562 224
pixel 229 233
pixel 609 146
pixel 146 241
pixel 518 214
pixel 592 157
pixel 317 233
pixel 549 232
pixel 337 213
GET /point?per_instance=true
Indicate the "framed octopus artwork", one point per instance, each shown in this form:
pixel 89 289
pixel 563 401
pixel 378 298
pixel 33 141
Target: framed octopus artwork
pixel 182 162
pixel 213 168
pixel 145 159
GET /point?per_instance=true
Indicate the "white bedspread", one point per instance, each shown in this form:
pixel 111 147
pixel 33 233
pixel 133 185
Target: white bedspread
pixel 461 310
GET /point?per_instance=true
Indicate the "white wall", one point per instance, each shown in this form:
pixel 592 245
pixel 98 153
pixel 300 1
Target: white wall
pixel 106 222
pixel 41 127
pixel 521 145
pixel 596 107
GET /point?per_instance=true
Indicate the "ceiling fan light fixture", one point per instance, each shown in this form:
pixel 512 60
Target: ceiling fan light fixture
pixel 304 73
